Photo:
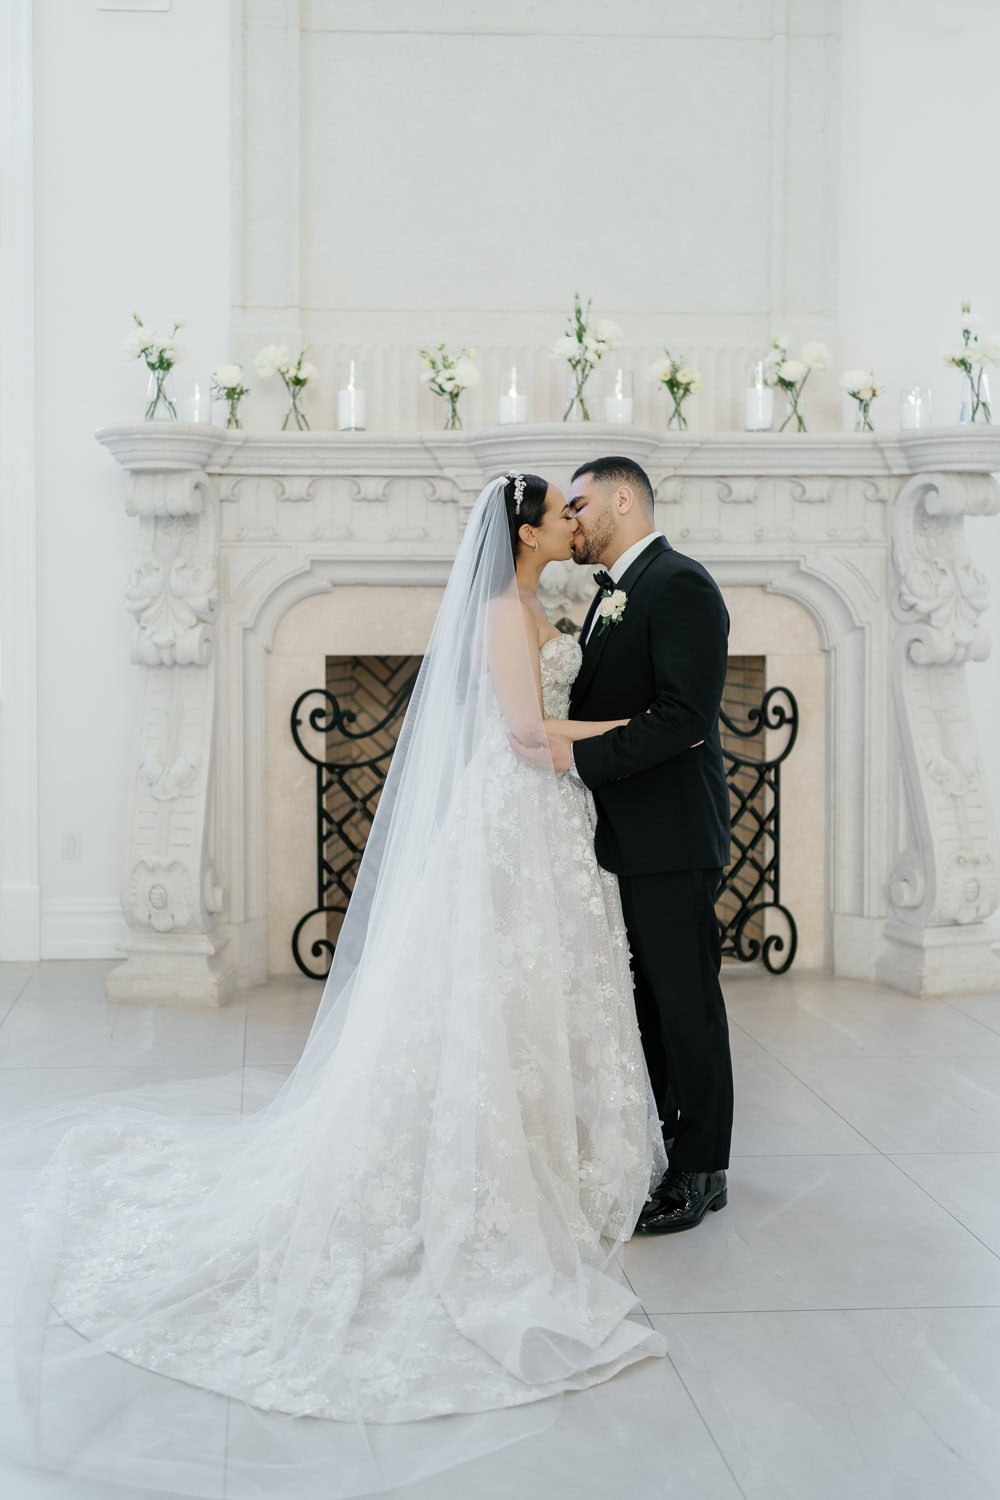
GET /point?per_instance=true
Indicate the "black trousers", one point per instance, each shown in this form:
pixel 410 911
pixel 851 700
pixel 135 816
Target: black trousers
pixel 674 937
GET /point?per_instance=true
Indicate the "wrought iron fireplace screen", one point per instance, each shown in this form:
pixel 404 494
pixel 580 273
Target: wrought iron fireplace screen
pixel 355 721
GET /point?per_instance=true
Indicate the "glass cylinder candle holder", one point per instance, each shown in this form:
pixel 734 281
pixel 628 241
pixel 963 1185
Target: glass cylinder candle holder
pixel 758 398
pixel 619 406
pixel 513 404
pixel 914 408
pixel 351 396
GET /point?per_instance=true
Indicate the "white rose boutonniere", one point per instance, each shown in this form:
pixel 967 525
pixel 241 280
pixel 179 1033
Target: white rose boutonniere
pixel 611 607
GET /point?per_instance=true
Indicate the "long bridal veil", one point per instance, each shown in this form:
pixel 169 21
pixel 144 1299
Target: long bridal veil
pixel 234 1301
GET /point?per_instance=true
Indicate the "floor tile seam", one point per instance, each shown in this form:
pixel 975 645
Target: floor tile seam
pixel 944 1207
pixel 704 1422
pixel 796 1312
pixel 832 1107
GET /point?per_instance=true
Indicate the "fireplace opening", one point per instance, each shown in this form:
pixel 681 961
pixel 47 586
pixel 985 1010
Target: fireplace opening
pixel 348 731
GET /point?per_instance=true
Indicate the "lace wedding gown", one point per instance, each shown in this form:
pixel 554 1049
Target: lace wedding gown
pixel 428 1229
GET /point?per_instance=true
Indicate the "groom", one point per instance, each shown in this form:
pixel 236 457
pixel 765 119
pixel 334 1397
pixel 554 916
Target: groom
pixel 655 649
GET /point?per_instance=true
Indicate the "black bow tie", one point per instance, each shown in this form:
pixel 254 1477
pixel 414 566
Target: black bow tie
pixel 604 580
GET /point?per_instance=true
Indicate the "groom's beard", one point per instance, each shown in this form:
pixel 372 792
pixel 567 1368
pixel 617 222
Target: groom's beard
pixel 587 550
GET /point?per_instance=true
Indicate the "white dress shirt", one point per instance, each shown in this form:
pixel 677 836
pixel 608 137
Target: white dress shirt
pixel 621 565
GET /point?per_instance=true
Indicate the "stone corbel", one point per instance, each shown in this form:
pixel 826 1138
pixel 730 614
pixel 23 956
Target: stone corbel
pixel 176 950
pixel 944 882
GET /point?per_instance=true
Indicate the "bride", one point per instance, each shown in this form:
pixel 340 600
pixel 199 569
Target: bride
pixel 423 1220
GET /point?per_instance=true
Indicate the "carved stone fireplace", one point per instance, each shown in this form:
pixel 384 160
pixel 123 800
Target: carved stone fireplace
pixel 844 563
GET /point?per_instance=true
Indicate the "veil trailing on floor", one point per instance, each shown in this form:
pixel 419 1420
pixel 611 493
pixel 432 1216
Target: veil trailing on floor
pixel 233 1301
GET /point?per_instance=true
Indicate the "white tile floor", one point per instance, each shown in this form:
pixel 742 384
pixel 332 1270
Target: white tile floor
pixel 834 1334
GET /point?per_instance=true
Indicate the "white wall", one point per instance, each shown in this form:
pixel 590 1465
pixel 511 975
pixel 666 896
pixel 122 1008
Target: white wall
pixel 132 207
pixel 920 228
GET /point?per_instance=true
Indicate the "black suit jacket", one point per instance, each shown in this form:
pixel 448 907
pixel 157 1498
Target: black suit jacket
pixel 661 805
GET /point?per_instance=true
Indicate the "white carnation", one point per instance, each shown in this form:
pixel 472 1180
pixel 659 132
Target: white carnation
pixel 566 347
pixel 815 356
pixel 970 320
pixel 987 350
pixel 691 380
pixel 591 348
pixel 466 371
pixel 782 342
pixel 307 371
pixel 606 332
pixel 853 380
pixel 178 322
pixel 227 377
pixel 138 341
pixel 792 370
pixel 958 355
pixel 271 359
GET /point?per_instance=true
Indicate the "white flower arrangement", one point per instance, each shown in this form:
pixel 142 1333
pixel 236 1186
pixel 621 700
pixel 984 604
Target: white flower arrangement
pixel 227 386
pixel 972 356
pixel 449 377
pixel 583 346
pixel 862 387
pixel 274 359
pixel 611 608
pixel 679 381
pixel 790 375
pixel 160 356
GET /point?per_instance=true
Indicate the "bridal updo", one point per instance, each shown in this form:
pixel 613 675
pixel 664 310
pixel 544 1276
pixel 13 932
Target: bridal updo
pixel 531 512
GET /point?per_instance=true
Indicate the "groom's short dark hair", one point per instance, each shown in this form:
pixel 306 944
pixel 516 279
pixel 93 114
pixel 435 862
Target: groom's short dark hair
pixel 621 471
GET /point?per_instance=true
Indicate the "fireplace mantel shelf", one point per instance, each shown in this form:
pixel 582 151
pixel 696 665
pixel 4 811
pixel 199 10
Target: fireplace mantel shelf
pixel 164 446
pixel 866 532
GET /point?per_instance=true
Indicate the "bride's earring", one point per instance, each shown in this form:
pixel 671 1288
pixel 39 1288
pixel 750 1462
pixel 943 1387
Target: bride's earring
pixel 534 546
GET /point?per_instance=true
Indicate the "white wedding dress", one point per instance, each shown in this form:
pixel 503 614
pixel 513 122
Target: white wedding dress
pixel 426 1224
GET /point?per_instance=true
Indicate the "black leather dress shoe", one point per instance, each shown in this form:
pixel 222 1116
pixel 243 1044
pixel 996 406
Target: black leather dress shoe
pixel 682 1200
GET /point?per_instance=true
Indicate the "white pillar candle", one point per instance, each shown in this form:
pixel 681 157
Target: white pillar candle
pixel 513 408
pixel 758 408
pixel 351 410
pixel 618 408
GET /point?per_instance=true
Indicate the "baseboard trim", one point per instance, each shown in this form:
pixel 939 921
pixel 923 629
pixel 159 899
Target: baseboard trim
pixel 83 929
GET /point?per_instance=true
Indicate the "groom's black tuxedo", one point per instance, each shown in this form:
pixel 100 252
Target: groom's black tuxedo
pixel 663 828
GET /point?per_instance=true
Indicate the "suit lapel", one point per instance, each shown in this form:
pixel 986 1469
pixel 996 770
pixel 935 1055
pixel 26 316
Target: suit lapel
pixel 594 647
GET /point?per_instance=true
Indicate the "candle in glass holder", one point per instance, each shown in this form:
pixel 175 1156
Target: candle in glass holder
pixel 620 405
pixel 195 404
pixel 914 408
pixel 351 397
pixel 513 402
pixel 758 400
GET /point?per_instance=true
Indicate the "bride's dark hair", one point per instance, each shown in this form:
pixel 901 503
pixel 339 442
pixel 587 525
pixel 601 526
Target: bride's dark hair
pixel 533 491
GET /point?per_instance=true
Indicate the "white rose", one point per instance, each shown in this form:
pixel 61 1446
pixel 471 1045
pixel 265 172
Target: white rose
pixel 792 370
pixel 448 383
pixel 466 371
pixel 306 371
pixel 853 380
pixel 815 356
pixel 566 347
pixel 269 360
pixel 228 376
pixel 658 370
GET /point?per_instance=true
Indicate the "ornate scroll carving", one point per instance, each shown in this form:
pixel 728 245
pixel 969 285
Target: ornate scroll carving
pixel 173 591
pixel 946 874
